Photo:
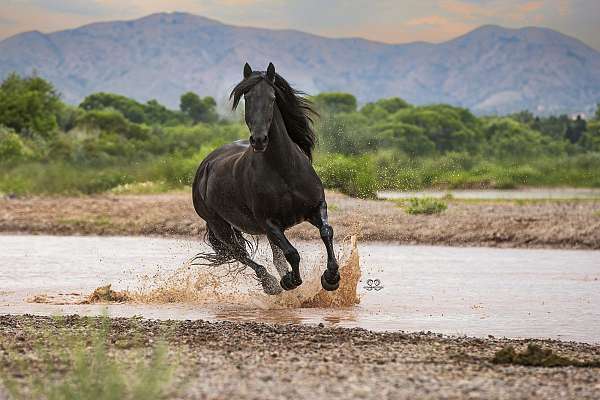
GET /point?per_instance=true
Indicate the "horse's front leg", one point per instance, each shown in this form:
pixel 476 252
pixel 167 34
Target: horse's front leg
pixel 330 280
pixel 276 236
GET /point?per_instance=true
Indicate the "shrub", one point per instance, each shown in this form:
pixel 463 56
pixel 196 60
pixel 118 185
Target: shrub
pixel 12 148
pixel 352 175
pixel 425 205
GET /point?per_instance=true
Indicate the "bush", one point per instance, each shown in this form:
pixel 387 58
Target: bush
pixel 352 175
pixel 61 177
pixel 425 205
pixel 12 148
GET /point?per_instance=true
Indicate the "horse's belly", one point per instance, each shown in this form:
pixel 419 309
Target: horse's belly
pixel 236 214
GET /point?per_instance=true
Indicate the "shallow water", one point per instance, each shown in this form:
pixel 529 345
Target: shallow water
pixel 518 194
pixel 470 291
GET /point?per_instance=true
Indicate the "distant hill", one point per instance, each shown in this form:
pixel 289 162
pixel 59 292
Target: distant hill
pixel 490 70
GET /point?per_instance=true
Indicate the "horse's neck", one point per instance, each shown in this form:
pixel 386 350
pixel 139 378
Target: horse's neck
pixel 282 151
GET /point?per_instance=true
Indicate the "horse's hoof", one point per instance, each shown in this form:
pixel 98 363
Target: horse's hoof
pixel 270 285
pixel 287 282
pixel 327 284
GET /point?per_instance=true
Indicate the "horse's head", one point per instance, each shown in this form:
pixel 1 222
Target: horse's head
pixel 259 101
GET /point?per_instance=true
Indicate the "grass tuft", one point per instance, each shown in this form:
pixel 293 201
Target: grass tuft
pixel 535 356
pixel 425 205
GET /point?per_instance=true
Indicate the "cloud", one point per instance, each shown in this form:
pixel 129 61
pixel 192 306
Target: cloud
pixel 436 28
pixel 75 7
pixel 6 21
pixel 464 9
pixel 531 6
pixel 564 7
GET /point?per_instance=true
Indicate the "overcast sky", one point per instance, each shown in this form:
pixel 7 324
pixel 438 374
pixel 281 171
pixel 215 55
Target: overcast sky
pixel 392 21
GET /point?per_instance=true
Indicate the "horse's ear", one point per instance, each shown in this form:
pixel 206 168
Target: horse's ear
pixel 247 70
pixel 271 72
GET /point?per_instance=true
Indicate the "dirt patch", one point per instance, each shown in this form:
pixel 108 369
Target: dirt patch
pixel 552 224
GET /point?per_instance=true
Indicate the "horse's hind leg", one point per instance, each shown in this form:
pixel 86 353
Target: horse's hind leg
pixel 276 236
pixel 330 280
pixel 234 245
pixel 279 259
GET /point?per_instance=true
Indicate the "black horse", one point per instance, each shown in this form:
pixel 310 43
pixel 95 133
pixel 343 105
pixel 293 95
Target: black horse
pixel 267 184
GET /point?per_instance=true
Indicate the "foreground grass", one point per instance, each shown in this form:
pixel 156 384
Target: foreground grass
pixel 89 362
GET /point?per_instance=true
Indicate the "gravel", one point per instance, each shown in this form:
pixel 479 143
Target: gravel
pixel 225 360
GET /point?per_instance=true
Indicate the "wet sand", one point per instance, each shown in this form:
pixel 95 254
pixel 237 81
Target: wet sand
pixel 565 224
pixel 255 360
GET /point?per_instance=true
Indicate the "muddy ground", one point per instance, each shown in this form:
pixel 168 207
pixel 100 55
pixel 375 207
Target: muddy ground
pixel 226 360
pixel 556 224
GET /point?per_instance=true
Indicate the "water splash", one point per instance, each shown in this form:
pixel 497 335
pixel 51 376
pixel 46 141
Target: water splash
pixel 205 286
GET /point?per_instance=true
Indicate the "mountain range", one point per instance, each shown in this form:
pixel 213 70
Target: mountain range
pixel 489 70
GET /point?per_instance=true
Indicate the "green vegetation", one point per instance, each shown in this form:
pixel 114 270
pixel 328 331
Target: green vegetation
pixel 535 356
pixel 63 363
pixel 425 205
pixel 111 142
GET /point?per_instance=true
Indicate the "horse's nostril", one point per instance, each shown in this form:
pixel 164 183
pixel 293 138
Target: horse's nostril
pixel 260 141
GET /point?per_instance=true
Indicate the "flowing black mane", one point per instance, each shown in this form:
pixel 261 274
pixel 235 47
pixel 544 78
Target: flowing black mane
pixel 297 111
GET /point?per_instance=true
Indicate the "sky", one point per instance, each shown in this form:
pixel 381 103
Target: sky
pixel 391 21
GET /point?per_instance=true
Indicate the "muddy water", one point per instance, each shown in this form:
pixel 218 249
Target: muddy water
pixel 470 291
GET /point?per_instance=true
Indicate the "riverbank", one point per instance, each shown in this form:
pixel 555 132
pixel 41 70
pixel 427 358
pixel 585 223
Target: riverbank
pixel 257 360
pixel 498 223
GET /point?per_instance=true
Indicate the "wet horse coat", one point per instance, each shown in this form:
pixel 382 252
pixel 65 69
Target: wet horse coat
pixel 267 184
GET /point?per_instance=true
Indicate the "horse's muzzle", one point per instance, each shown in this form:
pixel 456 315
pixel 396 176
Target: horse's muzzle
pixel 259 144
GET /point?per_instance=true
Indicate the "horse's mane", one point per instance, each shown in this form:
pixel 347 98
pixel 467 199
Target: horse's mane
pixel 297 111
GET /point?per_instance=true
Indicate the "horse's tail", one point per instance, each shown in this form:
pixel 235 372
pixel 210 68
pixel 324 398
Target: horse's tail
pixel 225 253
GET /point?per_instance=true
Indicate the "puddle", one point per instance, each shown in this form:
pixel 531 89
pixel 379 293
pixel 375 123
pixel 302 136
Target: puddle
pixel 470 291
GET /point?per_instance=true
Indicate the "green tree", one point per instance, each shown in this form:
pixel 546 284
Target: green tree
pixel 112 121
pixel 591 139
pixel 576 129
pixel 198 109
pixel 131 109
pixel 391 105
pixel 29 105
pixel 450 128
pixel 335 102
pixel 511 140
pixel 409 139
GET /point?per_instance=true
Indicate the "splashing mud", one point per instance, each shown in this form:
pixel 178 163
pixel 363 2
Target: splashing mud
pixel 205 285
pixel 105 294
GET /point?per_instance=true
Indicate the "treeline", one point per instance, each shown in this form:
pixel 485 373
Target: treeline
pixel 111 142
pixel 390 144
